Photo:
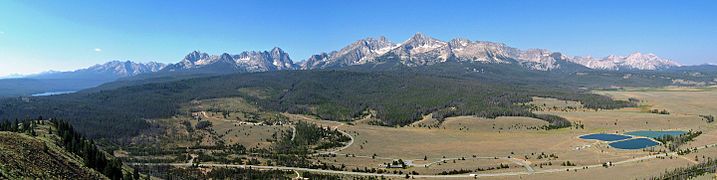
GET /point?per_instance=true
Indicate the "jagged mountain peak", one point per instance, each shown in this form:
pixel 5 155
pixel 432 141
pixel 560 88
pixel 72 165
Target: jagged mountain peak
pixel 359 52
pixel 642 56
pixel 420 36
pixel 195 55
pixel 460 42
pixel 420 39
pixel 247 61
pixel 225 56
pixel 421 50
pixel 371 42
pixel 277 50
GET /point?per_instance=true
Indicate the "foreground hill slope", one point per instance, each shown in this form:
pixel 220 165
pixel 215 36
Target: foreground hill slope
pixel 23 156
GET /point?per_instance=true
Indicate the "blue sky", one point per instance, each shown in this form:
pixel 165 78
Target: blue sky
pixel 64 35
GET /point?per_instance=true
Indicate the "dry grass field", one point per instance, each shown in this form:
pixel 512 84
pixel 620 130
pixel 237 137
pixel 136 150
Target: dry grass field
pixel 675 100
pixel 510 137
pixel 640 170
pixel 247 134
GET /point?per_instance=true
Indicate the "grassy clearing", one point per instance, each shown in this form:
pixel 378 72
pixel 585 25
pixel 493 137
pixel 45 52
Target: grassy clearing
pixel 686 101
pixel 466 136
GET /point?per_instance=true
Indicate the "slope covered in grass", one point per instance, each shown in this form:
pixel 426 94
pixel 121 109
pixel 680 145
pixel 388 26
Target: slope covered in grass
pixel 23 157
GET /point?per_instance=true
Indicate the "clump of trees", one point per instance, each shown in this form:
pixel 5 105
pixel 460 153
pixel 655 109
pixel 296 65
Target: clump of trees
pixel 663 112
pixel 308 137
pixel 568 163
pixel 311 175
pixel 396 164
pixel 708 118
pixel 93 157
pixel 455 171
pixel 27 126
pixel 203 124
pixel 674 142
pixel 556 122
pixel 690 172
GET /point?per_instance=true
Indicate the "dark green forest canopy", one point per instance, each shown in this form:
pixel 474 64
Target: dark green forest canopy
pixel 398 97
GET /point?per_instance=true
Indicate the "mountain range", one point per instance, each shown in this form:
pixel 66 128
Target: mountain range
pixel 422 50
pixel 248 61
pixel 418 51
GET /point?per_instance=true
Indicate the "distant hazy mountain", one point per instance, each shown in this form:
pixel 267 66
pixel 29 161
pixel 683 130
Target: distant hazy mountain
pixel 635 60
pixel 421 50
pixel 109 70
pixel 248 61
pixel 53 81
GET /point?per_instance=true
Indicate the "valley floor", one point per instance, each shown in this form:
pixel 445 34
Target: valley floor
pixel 505 147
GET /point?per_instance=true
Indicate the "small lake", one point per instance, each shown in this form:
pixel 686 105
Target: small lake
pixel 605 137
pixel 52 93
pixel 637 143
pixel 656 134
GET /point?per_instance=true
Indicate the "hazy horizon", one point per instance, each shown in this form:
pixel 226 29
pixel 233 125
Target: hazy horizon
pixel 42 36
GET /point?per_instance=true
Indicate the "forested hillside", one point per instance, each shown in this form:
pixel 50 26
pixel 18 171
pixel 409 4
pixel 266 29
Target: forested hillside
pixel 399 97
pixel 52 150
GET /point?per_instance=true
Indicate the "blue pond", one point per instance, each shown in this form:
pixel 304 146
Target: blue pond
pixel 605 137
pixel 637 143
pixel 656 134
